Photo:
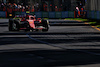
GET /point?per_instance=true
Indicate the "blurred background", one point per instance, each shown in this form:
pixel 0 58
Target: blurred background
pixel 52 8
pixel 45 5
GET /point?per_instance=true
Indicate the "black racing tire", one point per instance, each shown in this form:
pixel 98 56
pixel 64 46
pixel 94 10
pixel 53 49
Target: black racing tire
pixel 27 26
pixel 16 25
pixel 10 25
pixel 46 29
pixel 46 25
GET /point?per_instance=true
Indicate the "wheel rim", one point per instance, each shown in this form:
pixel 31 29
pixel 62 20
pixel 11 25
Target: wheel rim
pixel 14 26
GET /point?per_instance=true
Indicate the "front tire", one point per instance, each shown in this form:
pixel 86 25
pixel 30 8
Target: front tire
pixel 27 26
pixel 46 25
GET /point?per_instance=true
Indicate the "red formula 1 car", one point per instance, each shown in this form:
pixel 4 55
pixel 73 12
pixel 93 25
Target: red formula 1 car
pixel 28 23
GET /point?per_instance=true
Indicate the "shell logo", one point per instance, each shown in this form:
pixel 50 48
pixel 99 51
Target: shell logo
pixel 31 22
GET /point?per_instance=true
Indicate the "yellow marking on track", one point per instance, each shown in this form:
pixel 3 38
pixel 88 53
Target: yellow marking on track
pixel 86 23
pixel 96 28
pixel 93 27
pixel 79 20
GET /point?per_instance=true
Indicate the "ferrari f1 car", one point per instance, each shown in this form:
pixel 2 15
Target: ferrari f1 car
pixel 28 23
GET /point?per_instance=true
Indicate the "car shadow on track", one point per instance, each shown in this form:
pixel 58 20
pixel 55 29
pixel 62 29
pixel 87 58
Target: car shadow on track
pixel 50 58
pixel 33 57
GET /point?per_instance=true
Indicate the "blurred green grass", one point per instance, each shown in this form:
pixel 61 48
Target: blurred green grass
pixel 98 26
pixel 77 19
pixel 95 23
pixel 92 22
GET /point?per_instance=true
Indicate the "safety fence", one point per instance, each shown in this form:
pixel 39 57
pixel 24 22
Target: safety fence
pixel 3 14
pixel 64 14
pixel 93 15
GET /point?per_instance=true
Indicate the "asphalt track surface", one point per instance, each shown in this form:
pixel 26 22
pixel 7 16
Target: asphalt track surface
pixel 66 44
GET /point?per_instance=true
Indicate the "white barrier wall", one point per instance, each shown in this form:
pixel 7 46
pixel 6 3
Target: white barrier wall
pixel 4 20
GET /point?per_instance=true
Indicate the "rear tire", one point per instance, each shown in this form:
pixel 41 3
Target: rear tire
pixel 14 25
pixel 10 25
